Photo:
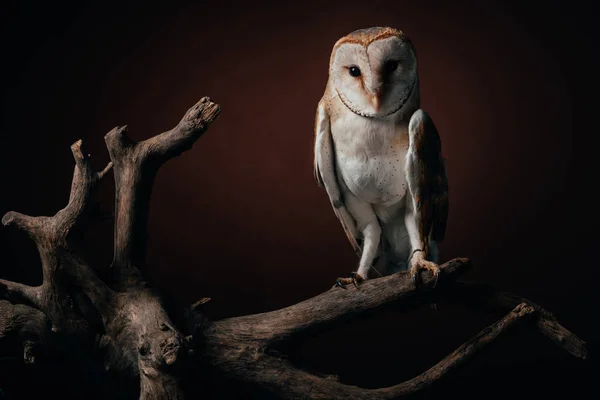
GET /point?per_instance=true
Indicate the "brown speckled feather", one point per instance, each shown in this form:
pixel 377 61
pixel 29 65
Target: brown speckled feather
pixel 427 178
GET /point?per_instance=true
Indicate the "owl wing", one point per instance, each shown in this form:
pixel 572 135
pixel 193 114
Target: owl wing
pixel 427 178
pixel 326 175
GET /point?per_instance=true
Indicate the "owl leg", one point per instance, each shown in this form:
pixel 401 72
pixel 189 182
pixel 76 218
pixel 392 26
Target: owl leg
pixel 398 246
pixel 421 250
pixel 368 225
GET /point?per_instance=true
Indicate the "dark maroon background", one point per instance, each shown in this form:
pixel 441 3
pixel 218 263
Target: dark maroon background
pixel 239 217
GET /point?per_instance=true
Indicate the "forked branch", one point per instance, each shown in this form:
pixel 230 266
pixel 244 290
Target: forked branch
pixel 149 340
pixel 135 166
pixel 242 347
pixel 136 336
pixel 52 236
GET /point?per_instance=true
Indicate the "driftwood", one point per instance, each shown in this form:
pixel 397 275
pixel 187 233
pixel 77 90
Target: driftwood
pixel 116 318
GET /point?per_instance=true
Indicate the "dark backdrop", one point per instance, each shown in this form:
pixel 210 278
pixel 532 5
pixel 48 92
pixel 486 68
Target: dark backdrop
pixel 240 219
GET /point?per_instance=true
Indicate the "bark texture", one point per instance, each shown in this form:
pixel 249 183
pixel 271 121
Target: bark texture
pixel 120 321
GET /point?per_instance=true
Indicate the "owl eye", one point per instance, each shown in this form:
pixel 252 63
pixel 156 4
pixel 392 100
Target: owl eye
pixel 390 66
pixel 354 71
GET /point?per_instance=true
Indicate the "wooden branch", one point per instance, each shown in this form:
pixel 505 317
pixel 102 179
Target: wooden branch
pixel 25 223
pixel 242 347
pixel 18 293
pixel 460 355
pixel 244 357
pixel 338 304
pixel 137 336
pixel 82 186
pixel 61 264
pixel 480 295
pixel 135 166
pixel 143 334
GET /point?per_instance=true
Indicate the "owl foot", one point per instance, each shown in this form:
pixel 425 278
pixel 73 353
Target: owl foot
pixel 419 263
pixel 354 278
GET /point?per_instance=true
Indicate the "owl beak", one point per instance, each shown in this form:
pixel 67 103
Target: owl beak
pixel 376 99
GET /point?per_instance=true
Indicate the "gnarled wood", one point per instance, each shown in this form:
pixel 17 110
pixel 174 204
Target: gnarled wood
pixel 337 305
pixel 239 359
pixel 135 166
pixel 143 331
pixel 241 348
pixel 125 323
pixel 136 335
pixel 62 265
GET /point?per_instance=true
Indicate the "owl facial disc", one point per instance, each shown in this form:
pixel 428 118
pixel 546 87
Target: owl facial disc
pixel 348 104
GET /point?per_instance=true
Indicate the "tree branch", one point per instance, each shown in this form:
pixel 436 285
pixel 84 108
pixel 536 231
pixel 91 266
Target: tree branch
pixel 242 347
pixel 25 223
pixel 480 295
pixel 17 293
pixel 135 166
pixel 460 355
pixel 61 265
pixel 338 305
pixel 142 332
pixel 82 186
pixel 246 360
pixel 172 143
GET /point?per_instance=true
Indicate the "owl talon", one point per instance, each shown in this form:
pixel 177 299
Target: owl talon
pixel 437 275
pixel 338 283
pixel 354 278
pixel 422 264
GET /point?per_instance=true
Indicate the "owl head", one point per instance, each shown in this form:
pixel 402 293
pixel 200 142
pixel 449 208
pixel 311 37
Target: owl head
pixel 374 71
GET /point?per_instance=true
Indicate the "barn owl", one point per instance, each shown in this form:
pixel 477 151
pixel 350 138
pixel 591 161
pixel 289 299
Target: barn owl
pixel 378 155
